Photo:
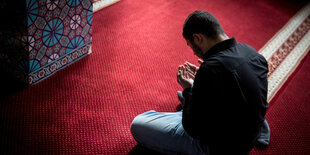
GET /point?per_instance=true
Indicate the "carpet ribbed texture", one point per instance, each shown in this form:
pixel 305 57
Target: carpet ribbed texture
pixel 289 115
pixel 87 107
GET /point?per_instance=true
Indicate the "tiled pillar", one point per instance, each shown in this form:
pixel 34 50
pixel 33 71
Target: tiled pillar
pixel 40 37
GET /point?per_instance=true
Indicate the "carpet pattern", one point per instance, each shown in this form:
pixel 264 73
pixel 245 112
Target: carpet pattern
pixel 286 49
pixel 87 108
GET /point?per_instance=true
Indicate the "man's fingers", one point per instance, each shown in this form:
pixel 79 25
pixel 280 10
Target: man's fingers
pixel 189 65
pixel 185 73
pixel 189 68
pixel 179 70
pixel 190 71
pixel 182 71
pixel 191 75
pixel 185 76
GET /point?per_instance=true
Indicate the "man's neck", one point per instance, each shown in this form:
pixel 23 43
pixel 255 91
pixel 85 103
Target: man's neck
pixel 213 42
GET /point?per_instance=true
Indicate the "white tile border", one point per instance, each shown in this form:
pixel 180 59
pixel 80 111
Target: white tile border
pixel 103 3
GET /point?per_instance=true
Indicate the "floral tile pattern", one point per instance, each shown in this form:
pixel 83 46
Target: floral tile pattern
pixel 54 30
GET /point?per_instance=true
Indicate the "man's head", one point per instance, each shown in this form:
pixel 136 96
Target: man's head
pixel 201 31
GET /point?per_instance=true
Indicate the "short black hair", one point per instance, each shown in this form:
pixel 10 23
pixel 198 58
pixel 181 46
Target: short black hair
pixel 201 22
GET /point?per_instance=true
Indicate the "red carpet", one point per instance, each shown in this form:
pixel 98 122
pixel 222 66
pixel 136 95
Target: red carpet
pixel 87 108
pixel 289 115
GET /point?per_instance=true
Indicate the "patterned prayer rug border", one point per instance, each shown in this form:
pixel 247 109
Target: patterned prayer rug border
pixel 286 49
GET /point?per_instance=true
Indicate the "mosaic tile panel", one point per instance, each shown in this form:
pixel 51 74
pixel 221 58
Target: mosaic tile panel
pixel 54 30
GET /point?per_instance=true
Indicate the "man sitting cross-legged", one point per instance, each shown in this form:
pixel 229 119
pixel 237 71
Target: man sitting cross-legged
pixel 224 100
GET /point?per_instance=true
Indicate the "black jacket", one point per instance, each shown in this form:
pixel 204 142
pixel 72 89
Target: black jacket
pixel 227 104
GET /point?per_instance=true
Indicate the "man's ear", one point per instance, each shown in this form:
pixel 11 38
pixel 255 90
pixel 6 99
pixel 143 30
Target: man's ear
pixel 197 38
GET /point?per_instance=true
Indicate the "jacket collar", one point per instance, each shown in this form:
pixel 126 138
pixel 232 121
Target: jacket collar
pixel 226 44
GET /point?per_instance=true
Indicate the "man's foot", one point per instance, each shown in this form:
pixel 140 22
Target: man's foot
pixel 264 136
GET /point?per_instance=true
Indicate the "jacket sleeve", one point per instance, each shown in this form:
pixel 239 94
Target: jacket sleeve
pixel 198 99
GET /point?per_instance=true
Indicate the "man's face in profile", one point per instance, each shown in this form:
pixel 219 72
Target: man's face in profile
pixel 196 49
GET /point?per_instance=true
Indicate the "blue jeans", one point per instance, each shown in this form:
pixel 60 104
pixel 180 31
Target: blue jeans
pixel 164 133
